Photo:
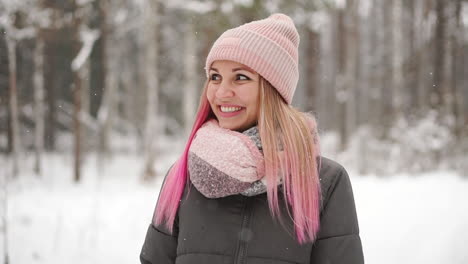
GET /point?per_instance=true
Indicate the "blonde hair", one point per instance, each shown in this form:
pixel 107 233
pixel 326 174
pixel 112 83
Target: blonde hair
pixel 291 151
pixel 290 146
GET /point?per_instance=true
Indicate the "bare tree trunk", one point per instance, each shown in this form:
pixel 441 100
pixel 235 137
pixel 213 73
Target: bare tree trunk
pixel 365 24
pixel 362 85
pixel 150 30
pixel 128 90
pixel 377 64
pixel 388 72
pixel 13 103
pixel 447 84
pixel 411 57
pixel 77 82
pixel 39 103
pixel 437 91
pixel 77 125
pixel 312 69
pixel 398 54
pixel 129 86
pixel 327 74
pixel 50 68
pixel 351 64
pixel 456 71
pixel 347 63
pixel 190 65
pixel 50 36
pixel 85 72
pixel 424 69
pixel 340 87
pixel 106 109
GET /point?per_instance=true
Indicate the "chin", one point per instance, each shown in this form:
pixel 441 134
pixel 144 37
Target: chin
pixel 236 127
pixel 230 126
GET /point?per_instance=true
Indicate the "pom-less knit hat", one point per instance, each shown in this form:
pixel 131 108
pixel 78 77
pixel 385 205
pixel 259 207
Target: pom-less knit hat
pixel 268 46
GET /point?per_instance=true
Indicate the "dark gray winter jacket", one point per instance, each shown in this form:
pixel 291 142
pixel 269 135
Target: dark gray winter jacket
pixel 239 229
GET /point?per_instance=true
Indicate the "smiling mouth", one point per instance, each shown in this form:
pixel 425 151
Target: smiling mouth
pixel 230 109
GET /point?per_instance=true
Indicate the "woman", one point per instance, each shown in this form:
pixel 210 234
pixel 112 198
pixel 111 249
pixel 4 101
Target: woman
pixel 250 186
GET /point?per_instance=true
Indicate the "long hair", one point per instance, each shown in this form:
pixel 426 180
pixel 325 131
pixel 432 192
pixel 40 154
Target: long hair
pixel 290 148
pixel 291 152
pixel 176 179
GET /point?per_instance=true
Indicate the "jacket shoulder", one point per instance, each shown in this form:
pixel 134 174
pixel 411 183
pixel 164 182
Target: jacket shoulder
pixel 339 228
pixel 330 174
pixel 329 166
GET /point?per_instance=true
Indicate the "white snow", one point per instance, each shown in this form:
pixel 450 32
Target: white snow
pixel 88 37
pixel 103 219
pixel 199 7
pixel 413 219
pixel 464 14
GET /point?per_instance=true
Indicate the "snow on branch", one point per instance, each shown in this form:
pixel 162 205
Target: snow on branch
pixel 340 4
pixel 88 37
pixel 464 14
pixel 35 18
pixel 200 7
pixel 15 33
pixel 19 34
pixel 83 2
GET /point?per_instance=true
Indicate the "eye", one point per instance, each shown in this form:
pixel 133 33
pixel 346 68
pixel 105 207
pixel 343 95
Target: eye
pixel 242 77
pixel 215 77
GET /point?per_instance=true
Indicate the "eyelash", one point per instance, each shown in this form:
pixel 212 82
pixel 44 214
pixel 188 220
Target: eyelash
pixel 238 75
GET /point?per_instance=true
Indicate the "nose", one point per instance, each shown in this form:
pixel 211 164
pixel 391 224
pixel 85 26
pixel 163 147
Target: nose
pixel 224 90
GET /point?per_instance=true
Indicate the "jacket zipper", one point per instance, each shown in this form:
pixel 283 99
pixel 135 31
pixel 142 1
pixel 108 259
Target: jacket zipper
pixel 242 243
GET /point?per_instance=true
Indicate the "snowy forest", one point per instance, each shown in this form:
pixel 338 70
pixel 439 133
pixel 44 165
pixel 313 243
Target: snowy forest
pixel 97 98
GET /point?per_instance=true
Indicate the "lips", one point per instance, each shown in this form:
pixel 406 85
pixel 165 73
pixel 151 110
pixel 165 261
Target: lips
pixel 226 109
pixel 231 110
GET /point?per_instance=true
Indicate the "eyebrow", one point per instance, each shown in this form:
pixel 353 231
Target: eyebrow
pixel 235 69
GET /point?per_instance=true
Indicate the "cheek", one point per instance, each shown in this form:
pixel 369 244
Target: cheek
pixel 253 98
pixel 252 109
pixel 210 94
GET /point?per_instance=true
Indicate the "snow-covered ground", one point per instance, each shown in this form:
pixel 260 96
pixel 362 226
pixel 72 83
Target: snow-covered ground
pixel 103 219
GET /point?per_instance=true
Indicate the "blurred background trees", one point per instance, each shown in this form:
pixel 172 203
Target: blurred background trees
pixel 387 79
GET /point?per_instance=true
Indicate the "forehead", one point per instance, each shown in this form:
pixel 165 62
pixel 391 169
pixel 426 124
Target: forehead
pixel 230 65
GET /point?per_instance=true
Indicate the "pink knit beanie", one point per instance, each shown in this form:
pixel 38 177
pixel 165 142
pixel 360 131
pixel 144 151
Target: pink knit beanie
pixel 268 46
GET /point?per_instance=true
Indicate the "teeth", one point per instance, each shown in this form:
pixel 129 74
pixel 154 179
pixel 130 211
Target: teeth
pixel 230 109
